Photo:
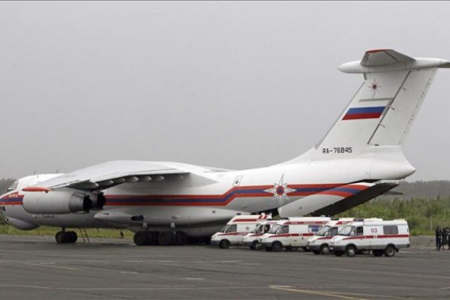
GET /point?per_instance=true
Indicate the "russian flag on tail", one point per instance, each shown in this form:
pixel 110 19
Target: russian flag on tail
pixel 358 113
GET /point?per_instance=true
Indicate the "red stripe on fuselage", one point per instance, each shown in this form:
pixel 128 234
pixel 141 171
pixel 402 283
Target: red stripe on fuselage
pixel 361 116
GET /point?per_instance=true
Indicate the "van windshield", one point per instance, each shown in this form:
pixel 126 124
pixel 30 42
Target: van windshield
pixel 258 229
pixel 346 230
pixel 274 229
pixel 323 230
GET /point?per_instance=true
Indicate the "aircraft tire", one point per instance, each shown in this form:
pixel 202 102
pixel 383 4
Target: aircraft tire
pixel 166 238
pixel 141 238
pixel 72 237
pixel 152 238
pixel 61 237
pixel 181 238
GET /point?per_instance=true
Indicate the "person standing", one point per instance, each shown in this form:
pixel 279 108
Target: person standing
pixel 438 238
pixel 444 237
pixel 448 238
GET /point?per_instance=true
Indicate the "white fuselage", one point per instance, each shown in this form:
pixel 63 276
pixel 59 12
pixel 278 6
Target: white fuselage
pixel 203 201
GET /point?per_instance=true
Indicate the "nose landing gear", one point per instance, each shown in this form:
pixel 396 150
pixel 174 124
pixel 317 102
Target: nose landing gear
pixel 66 237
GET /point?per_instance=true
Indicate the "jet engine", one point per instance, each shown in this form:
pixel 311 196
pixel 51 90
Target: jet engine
pixel 56 202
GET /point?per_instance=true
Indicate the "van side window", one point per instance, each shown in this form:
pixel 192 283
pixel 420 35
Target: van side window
pixel 285 229
pixel 232 228
pixel 313 228
pixel 359 231
pixel 390 229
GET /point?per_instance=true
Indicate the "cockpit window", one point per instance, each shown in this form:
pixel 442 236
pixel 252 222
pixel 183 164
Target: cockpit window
pixel 13 186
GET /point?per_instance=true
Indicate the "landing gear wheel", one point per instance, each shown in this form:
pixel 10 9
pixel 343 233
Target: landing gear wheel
pixel 325 250
pixel 181 238
pixel 350 251
pixel 256 246
pixel 377 252
pixel 166 238
pixel 224 244
pixel 72 237
pixel 141 238
pixel 152 238
pixel 389 251
pixel 277 247
pixel 61 237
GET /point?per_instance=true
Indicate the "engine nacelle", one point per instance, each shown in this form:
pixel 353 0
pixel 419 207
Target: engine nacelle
pixel 55 202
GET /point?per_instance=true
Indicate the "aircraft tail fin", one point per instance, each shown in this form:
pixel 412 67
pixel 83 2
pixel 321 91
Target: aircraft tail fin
pixel 384 107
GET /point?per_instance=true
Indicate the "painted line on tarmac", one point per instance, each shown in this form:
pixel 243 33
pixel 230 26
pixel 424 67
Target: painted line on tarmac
pixel 52 266
pixel 174 287
pixel 41 287
pixel 128 272
pixel 390 273
pixel 311 292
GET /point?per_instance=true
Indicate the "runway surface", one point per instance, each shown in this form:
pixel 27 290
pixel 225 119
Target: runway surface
pixel 37 268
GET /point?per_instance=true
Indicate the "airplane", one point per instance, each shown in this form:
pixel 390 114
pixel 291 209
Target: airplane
pixel 168 203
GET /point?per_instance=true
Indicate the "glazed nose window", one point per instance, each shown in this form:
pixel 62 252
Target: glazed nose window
pixel 13 186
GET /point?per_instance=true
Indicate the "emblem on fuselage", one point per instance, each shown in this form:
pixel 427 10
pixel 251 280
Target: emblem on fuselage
pixel 280 190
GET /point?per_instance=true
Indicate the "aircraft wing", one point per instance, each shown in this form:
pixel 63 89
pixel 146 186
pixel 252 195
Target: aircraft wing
pixel 106 175
pixel 339 199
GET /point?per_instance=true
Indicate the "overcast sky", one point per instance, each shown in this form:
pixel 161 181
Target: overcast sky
pixel 228 84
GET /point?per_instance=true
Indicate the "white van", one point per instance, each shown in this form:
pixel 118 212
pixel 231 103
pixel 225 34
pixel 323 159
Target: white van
pixel 292 233
pixel 233 233
pixel 318 243
pixel 381 237
pixel 252 239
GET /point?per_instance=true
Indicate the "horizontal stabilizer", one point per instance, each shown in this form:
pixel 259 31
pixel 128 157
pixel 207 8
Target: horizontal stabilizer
pixel 384 57
pixel 387 60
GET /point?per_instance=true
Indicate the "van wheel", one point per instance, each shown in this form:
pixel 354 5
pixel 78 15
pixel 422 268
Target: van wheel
pixel 224 244
pixel 276 247
pixel 325 250
pixel 377 252
pixel 256 246
pixel 350 251
pixel 389 251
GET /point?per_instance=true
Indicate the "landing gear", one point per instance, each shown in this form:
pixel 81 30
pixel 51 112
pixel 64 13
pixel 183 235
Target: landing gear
pixel 164 238
pixel 66 237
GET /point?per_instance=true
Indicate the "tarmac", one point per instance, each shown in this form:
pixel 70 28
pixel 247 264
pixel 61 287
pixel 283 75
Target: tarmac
pixel 35 267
